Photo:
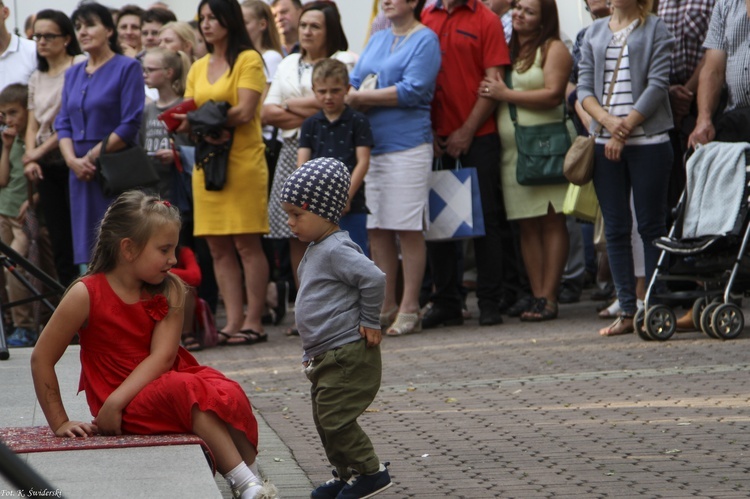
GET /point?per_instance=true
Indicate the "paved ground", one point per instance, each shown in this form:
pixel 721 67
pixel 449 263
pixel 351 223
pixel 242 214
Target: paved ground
pixel 520 410
pixel 525 410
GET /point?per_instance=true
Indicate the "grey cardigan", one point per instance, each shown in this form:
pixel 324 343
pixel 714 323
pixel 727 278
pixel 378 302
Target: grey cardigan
pixel 650 53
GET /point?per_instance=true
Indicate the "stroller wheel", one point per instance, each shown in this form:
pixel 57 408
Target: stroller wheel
pixel 728 321
pixel 698 306
pixel 706 320
pixel 660 322
pixel 639 323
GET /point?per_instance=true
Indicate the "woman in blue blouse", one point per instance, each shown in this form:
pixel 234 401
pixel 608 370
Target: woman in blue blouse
pixel 406 60
pixel 101 96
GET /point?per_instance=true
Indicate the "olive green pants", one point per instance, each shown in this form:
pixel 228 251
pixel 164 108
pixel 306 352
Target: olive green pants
pixel 345 381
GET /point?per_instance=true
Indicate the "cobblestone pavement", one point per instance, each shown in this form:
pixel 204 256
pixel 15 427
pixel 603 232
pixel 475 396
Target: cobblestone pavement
pixel 525 410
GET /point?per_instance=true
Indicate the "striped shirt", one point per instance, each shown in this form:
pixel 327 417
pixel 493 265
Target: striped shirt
pixel 729 31
pixel 622 94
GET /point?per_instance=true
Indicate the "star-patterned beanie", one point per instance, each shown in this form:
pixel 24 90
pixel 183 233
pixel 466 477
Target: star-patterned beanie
pixel 320 186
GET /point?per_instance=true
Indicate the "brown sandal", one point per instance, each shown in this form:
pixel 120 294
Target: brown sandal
pixel 622 325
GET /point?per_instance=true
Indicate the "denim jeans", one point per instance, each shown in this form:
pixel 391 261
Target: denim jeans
pixel 645 169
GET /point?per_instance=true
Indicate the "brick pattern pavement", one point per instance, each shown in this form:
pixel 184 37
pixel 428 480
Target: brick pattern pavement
pixel 527 410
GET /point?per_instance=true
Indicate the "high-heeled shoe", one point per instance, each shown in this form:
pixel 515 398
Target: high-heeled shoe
pixel 405 324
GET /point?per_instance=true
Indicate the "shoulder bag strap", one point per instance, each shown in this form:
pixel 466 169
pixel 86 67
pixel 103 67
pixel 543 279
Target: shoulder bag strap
pixel 612 84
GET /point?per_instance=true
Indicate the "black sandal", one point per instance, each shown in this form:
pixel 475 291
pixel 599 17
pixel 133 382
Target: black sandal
pixel 543 310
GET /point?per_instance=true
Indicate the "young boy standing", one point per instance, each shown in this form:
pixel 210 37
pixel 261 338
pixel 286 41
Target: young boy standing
pixel 339 132
pixel 14 204
pixel 338 317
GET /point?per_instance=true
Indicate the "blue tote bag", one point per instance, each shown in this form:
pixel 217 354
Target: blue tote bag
pixel 455 205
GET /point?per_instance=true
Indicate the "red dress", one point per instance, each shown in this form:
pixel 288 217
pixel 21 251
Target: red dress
pixel 117 338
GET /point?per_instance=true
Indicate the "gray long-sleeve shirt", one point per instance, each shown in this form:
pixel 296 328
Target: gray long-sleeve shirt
pixel 340 290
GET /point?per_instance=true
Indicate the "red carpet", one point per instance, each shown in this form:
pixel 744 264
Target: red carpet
pixel 25 439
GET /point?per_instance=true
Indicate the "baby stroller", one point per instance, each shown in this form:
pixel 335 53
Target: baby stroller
pixel 707 246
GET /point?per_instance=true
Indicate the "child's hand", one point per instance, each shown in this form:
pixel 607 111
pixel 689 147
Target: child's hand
pixel 76 429
pixel 109 420
pixel 166 156
pixel 9 135
pixel 373 336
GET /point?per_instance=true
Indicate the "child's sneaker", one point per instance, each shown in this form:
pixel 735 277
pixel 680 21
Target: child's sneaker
pixel 22 337
pixel 330 489
pixel 364 486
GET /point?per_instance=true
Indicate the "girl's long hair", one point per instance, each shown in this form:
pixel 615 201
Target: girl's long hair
pixel 261 11
pixel 178 62
pixel 229 15
pixel 549 30
pixel 65 25
pixel 185 32
pixel 136 216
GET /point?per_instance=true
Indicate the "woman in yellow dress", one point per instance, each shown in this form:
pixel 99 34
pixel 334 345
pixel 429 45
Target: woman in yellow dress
pixel 234 218
pixel 541 68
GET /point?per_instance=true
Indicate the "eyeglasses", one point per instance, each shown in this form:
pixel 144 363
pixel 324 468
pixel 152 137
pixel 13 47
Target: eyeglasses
pixel 148 71
pixel 48 37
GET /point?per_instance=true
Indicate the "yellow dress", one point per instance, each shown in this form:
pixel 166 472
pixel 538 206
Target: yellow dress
pixel 523 201
pixel 242 206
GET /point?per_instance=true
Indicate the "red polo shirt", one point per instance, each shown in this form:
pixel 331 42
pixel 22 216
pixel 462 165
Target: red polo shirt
pixel 471 41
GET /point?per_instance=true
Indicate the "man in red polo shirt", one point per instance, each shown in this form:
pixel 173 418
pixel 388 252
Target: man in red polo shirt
pixel 472 47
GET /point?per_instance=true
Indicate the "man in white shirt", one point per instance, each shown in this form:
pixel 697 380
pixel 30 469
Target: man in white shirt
pixel 17 55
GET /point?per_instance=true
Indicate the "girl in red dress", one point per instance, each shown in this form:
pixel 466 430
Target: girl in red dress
pixel 128 313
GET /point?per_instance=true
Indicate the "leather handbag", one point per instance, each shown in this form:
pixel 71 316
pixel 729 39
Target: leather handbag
pixel 124 170
pixel 578 167
pixel 541 149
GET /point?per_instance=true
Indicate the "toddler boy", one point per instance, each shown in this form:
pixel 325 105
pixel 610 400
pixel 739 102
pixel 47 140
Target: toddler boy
pixel 13 208
pixel 338 317
pixel 339 132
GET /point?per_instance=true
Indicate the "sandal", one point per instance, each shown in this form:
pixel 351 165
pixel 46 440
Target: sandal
pixel 405 324
pixel 387 318
pixel 244 337
pixel 622 325
pixel 542 310
pixel 191 343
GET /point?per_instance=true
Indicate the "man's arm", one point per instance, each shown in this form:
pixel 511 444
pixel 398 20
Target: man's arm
pixel 459 142
pixel 710 83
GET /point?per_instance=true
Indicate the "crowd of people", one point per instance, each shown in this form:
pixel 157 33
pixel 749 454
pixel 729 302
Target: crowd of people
pixel 438 83
pixel 295 138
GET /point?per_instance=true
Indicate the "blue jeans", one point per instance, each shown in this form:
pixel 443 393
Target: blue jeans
pixel 645 169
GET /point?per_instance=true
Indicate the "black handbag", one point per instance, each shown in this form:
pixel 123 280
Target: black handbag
pixel 124 170
pixel 541 149
pixel 209 120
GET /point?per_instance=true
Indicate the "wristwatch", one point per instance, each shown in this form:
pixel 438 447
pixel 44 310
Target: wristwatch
pixel 285 106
